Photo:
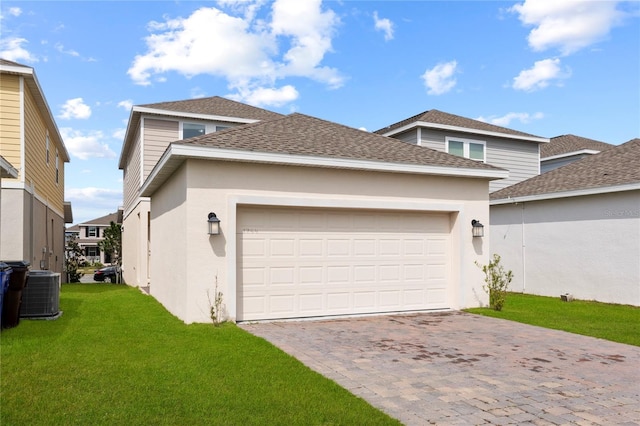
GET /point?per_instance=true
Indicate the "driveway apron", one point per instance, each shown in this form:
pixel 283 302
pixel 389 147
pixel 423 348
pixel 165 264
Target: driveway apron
pixel 459 368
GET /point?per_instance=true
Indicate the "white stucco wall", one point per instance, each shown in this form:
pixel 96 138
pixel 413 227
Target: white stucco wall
pixel 135 245
pixel 588 246
pixel 185 260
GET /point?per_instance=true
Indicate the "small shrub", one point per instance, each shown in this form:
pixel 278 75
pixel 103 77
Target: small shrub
pixel 497 282
pixel 215 307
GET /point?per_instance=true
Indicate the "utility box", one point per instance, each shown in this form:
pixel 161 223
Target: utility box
pixel 41 296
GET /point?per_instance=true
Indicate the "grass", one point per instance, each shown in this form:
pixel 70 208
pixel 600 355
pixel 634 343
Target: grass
pixel 117 357
pixel 618 323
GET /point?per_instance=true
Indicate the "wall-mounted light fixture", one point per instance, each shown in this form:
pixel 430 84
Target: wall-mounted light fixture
pixel 477 229
pixel 214 224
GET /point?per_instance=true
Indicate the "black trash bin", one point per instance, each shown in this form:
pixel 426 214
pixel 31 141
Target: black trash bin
pixel 5 274
pixel 13 297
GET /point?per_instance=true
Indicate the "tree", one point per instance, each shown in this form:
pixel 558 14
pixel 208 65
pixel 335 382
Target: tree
pixel 112 244
pixel 497 282
pixel 73 257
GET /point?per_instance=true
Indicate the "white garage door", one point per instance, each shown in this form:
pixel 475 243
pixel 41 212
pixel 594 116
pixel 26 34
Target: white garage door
pixel 295 263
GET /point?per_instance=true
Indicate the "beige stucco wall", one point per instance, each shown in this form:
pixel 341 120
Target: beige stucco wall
pixel 31 231
pixel 588 246
pixel 135 245
pixel 186 261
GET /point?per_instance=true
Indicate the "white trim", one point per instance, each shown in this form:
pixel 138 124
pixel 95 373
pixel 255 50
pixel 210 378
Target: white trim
pixel 23 167
pixel 141 148
pixel 182 152
pixel 571 154
pixel 180 114
pixel 261 200
pixel 465 130
pixel 419 136
pixel 566 194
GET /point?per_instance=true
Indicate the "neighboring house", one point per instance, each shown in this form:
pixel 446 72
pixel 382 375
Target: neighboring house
pixel 150 130
pixel 316 219
pixel 565 149
pixel 515 151
pixel 33 210
pixel 90 233
pixel 575 229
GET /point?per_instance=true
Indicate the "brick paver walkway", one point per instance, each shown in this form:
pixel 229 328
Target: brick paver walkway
pixel 457 368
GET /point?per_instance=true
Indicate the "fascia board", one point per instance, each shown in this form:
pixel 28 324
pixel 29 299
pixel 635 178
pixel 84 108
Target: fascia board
pixel 180 114
pixel 464 130
pixel 570 154
pixel 567 194
pixel 177 151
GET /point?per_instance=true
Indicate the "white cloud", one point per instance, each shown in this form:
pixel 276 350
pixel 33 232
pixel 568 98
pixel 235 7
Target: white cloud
pixel 126 104
pixel 75 108
pixel 199 44
pixel 119 133
pixel 540 76
pixel 569 25
pixel 263 96
pixel 91 202
pixel 85 145
pixel 384 25
pixel 505 120
pixel 11 49
pixel 439 79
pixel 309 31
pixel 15 11
pixel 60 48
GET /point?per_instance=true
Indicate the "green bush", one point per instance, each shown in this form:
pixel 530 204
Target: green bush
pixel 496 281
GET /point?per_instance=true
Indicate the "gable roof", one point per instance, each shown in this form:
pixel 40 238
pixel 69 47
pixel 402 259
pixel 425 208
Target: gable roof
pixel 215 105
pixel 102 221
pixel 571 144
pixel 443 120
pixel 213 108
pixel 615 169
pixel 299 139
pixel 31 81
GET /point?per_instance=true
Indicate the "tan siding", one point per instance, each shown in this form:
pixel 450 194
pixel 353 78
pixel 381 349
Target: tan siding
pixel 131 175
pixel 37 170
pixel 10 120
pixel 158 134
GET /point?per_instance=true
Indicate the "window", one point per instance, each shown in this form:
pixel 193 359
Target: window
pixel 92 251
pixel 467 148
pixel 92 231
pixel 57 167
pixel 190 130
pixel 48 147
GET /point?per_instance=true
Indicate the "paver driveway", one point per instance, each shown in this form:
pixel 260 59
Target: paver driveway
pixel 459 368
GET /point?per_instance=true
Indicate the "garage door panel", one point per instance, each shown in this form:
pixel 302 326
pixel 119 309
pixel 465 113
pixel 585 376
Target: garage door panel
pixel 314 262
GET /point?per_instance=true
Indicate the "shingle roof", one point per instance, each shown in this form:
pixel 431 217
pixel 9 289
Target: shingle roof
pixel 619 165
pixel 438 117
pixel 570 143
pixel 299 134
pixel 215 105
pixel 103 220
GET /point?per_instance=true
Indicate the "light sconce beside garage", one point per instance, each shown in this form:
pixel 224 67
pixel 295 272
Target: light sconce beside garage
pixel 477 228
pixel 214 224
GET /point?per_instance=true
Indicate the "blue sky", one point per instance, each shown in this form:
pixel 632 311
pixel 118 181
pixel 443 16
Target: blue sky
pixel 543 67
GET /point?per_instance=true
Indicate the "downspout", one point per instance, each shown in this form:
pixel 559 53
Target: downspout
pixel 524 253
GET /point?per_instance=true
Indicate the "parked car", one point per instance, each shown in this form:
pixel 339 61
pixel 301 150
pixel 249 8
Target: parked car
pixel 108 273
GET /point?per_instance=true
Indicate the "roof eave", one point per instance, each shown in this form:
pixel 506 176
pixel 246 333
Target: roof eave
pixel 41 101
pixel 438 126
pixel 566 194
pixel 570 154
pixel 177 153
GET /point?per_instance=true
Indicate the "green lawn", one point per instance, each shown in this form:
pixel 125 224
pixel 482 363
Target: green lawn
pixel 618 323
pixel 117 357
